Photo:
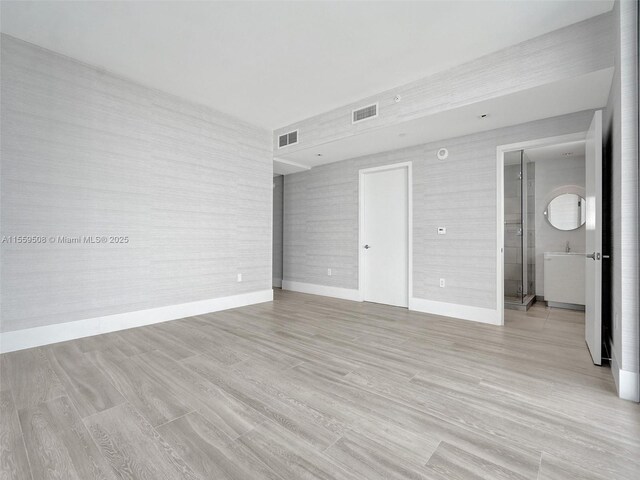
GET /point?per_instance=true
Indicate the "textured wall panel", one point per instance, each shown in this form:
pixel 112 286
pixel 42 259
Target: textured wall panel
pixel 321 214
pixel 621 121
pixel 87 153
pixel 565 53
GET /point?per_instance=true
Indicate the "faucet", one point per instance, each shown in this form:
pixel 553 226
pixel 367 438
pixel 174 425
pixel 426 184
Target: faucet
pixel 567 248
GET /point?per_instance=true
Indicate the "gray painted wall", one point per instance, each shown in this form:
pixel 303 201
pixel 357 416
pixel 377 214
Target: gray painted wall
pixel 552 174
pixel 321 214
pixel 278 191
pixel 621 123
pixel 88 153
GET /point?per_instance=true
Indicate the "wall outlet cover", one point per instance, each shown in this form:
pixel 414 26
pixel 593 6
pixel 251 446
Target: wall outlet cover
pixel 329 271
pixel 239 277
pixel 442 283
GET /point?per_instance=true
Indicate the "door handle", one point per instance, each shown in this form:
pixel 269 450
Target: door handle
pixel 367 247
pixel 592 256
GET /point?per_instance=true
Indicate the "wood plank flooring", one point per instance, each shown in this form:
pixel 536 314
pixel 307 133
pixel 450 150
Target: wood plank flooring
pixel 310 387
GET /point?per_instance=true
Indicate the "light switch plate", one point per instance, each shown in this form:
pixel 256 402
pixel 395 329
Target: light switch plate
pixel 239 277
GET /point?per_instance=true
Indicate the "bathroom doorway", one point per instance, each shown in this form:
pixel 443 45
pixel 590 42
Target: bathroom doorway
pixel 530 175
pixel 568 233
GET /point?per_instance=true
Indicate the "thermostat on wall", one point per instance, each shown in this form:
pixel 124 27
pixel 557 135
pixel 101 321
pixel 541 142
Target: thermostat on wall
pixel 443 153
pixel 442 230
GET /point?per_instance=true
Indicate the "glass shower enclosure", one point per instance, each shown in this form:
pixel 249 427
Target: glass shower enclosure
pixel 519 231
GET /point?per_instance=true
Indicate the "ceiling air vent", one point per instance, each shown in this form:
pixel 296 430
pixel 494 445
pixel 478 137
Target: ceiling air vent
pixel 370 111
pixel 288 139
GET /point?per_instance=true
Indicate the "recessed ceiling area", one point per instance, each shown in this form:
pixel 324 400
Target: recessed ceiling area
pixel 586 92
pixel 274 63
pixel 557 152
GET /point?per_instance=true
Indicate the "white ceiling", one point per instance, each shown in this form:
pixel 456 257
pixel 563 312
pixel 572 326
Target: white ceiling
pixel 576 94
pixel 553 153
pixel 274 63
pixel 557 152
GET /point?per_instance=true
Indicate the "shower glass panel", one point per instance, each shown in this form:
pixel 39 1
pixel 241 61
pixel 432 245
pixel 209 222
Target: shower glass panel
pixel 514 233
pixel 519 230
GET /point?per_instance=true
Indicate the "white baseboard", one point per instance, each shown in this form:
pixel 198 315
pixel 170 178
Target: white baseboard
pixel 276 282
pixel 37 336
pixel 476 314
pixel 464 312
pixel 627 383
pixel 324 290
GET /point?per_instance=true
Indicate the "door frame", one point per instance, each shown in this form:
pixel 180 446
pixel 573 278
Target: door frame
pixel 501 150
pixel 361 175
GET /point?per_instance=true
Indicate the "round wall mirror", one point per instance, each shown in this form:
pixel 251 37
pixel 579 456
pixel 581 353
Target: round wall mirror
pixel 566 211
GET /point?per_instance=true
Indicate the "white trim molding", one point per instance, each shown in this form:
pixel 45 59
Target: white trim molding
pixel 324 290
pixel 60 332
pixel 453 310
pixel 627 383
pixel 459 312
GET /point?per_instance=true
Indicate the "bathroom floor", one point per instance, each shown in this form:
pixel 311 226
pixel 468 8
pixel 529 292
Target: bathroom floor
pixel 515 302
pixel 545 319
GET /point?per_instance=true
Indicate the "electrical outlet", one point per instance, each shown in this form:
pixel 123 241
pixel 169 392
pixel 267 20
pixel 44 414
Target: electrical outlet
pixel 442 283
pixel 329 271
pixel 239 277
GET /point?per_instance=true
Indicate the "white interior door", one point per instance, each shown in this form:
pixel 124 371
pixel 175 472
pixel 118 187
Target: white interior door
pixel 593 267
pixel 385 237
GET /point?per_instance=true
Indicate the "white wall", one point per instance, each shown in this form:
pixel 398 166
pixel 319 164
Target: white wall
pixel 551 175
pixel 88 153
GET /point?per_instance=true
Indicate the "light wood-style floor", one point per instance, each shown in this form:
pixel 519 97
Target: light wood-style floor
pixel 312 387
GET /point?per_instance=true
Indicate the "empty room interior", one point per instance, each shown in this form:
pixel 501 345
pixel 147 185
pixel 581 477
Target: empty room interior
pixel 319 240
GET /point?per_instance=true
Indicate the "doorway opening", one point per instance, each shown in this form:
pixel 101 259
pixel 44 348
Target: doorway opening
pixel 550 235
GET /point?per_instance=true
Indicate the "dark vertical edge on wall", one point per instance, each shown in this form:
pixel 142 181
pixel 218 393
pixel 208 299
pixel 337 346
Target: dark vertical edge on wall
pixel 638 157
pixel 607 242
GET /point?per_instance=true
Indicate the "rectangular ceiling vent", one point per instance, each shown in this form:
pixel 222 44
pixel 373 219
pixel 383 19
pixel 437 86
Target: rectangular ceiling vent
pixel 364 113
pixel 288 139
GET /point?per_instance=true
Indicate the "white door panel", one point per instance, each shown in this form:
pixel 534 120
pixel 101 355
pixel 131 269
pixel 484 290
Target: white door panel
pixel 593 265
pixel 385 236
